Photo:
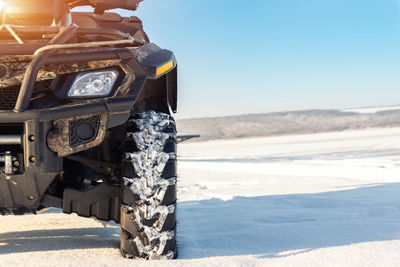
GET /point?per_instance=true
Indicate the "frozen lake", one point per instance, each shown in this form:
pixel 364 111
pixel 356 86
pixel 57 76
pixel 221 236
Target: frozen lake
pixel 330 199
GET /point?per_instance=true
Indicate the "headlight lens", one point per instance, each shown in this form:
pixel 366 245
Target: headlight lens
pixel 97 83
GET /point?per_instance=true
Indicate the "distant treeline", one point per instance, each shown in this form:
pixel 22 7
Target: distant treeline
pixel 283 123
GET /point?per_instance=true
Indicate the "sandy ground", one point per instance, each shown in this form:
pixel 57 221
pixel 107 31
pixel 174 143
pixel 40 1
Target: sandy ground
pixel 328 199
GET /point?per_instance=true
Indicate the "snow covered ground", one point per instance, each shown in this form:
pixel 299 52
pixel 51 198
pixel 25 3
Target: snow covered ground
pixel 329 199
pixel 371 110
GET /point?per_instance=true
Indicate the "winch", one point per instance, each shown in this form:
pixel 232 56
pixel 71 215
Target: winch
pixel 8 159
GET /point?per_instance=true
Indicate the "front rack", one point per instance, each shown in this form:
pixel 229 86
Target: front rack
pixel 60 35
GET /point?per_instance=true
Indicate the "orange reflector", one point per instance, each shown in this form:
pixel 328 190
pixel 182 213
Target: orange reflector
pixel 164 68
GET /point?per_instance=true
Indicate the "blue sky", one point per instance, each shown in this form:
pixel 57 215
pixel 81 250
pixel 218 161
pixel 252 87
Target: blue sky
pixel 256 56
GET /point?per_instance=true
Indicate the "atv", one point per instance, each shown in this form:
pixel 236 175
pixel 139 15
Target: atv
pixel 85 120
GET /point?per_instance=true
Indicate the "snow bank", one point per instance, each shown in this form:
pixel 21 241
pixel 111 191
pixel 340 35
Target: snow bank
pixel 371 110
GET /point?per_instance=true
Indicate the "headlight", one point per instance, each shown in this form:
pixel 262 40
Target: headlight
pixel 96 83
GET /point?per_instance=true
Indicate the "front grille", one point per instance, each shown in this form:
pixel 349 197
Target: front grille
pixel 8 97
pixel 13 68
pixel 16 66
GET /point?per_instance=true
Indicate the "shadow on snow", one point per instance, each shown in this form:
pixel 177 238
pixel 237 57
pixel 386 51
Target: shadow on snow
pixel 267 226
pixel 59 239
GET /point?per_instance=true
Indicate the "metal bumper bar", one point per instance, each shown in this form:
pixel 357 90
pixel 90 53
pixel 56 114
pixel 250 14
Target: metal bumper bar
pixel 10 139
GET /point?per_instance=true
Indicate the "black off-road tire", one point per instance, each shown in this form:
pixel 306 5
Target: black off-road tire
pixel 148 222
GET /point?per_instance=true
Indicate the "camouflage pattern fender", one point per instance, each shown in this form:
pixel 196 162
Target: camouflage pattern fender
pixel 59 137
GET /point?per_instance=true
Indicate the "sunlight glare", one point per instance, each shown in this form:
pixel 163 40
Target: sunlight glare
pixel 2 4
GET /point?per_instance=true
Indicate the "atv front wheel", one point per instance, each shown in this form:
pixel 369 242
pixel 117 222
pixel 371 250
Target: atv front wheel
pixel 148 222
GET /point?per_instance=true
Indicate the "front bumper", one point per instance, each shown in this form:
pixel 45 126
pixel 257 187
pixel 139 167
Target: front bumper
pixel 40 160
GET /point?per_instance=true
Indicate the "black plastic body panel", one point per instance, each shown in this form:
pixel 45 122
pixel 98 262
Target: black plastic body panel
pixel 102 202
pixel 25 190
